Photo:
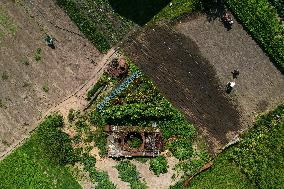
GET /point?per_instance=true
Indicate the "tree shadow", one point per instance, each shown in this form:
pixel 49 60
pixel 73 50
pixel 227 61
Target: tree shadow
pixel 138 11
pixel 214 10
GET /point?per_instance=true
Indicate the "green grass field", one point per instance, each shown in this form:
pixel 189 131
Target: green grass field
pixel 39 162
pixel 256 162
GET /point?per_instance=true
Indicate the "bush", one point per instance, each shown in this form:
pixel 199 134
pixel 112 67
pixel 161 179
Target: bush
pixel 262 22
pixel 159 165
pixel 102 82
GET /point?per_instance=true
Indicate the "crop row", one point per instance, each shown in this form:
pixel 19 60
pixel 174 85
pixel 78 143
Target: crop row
pixel 263 23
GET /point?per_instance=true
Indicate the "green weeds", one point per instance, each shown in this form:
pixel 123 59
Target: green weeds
pixel 37 55
pixel 159 165
pixel 45 88
pixel 4 76
pixel 39 162
pixel 128 173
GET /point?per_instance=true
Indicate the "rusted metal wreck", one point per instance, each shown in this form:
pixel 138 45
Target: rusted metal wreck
pixel 123 141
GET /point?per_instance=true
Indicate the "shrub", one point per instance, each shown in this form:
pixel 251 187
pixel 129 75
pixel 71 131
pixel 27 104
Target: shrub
pixel 102 82
pixel 71 115
pixel 159 165
pixel 55 144
pixel 5 76
pixel 262 22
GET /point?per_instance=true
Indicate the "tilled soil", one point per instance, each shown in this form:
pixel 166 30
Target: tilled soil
pixel 63 69
pixel 187 80
pixel 191 62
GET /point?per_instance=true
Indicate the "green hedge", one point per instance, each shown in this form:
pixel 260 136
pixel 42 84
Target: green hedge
pixel 263 23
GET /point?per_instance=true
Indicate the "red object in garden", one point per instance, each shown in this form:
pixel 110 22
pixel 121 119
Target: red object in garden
pixel 117 67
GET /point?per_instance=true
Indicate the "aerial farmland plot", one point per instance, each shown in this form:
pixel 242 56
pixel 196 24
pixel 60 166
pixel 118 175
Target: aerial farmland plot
pixel 141 94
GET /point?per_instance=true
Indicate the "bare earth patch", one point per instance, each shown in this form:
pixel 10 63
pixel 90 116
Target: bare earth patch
pixel 61 70
pixel 191 61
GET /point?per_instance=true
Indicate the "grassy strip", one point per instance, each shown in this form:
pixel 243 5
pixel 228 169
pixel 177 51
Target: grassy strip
pixel 175 9
pixel 39 162
pixel 128 173
pixel 256 162
pixel 262 21
pixel 279 5
pixel 85 24
pixel 102 82
pixel 260 154
pixel 223 175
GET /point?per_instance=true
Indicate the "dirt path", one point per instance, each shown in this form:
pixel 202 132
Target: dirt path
pixel 76 101
pixel 163 181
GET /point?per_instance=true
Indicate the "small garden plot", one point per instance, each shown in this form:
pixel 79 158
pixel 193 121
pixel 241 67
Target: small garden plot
pixel 136 102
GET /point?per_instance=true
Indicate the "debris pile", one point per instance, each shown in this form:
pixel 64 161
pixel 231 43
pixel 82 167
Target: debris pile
pixel 119 141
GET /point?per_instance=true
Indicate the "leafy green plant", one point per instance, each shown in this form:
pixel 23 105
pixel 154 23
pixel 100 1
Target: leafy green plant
pixel 37 55
pixel 45 88
pixel 134 142
pixel 181 148
pixel 71 115
pixel 128 173
pixel 159 165
pixel 4 76
pixel 262 22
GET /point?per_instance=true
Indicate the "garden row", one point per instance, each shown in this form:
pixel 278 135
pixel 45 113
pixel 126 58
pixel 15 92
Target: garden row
pixel 262 22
